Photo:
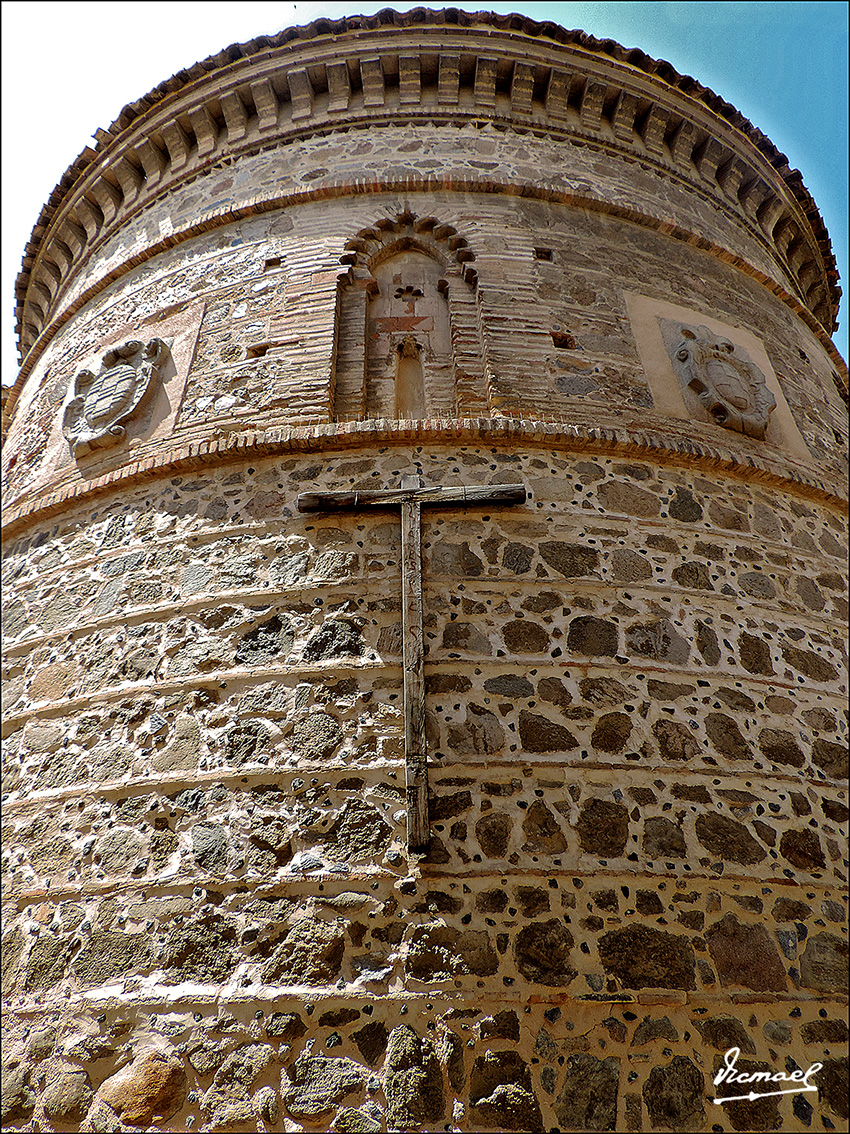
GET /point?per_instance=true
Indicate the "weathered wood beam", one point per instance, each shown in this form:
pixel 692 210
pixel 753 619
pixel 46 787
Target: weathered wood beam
pixel 392 497
pixel 413 660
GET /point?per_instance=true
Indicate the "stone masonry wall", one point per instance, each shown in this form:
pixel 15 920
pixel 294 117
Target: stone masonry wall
pixel 639 797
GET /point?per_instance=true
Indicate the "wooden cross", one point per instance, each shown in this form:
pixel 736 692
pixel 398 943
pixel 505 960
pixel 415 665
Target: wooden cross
pixel 411 498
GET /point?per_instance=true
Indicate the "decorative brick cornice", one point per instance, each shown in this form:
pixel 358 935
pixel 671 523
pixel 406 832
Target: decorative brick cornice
pixel 663 444
pixel 505 70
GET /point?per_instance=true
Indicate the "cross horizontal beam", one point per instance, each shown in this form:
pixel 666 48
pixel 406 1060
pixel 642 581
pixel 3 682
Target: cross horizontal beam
pixel 392 497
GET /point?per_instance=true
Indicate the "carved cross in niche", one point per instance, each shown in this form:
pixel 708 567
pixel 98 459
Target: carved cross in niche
pixel 411 498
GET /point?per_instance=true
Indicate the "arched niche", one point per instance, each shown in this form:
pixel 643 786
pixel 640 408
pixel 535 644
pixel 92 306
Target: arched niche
pixel 407 341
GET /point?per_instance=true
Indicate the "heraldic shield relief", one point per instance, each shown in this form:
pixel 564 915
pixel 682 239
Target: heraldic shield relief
pixel 728 384
pixel 128 375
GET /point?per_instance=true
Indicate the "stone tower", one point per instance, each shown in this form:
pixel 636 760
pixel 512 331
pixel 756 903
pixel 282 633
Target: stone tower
pixel 424 591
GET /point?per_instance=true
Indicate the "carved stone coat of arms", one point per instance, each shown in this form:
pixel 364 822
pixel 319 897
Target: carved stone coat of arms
pixel 104 401
pixel 728 384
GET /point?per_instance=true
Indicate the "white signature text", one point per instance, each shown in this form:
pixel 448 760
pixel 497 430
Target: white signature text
pixel 729 1074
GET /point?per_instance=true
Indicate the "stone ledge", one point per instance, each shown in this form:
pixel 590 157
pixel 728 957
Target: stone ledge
pixel 649 444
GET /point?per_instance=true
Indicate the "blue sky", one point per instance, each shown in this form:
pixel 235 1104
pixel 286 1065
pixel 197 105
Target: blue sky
pixel 784 65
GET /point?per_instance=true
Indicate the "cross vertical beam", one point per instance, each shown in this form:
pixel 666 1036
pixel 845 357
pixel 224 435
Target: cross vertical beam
pixel 410 499
pixel 413 660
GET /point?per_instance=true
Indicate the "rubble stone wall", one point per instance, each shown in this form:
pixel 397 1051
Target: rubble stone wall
pixel 638 751
pixel 635 691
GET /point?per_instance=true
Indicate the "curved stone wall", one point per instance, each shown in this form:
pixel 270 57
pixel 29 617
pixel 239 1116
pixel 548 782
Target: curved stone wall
pixel 635 720
pixel 261 335
pixel 634 681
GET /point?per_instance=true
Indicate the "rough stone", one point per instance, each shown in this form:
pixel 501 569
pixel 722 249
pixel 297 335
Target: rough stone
pixel 593 636
pixel 541 830
pixel 287 1026
pixel 707 643
pixel 612 732
pixel 832 1084
pixel 831 758
pixel 17 1097
pixel 754 654
pixel 117 851
pixel 183 749
pixel 539 734
pixel 149 1089
pixel 359 832
pixel 413 1081
pixel 509 685
pixel 480 734
pixel 641 957
pixel 570 560
pixel 725 735
pixel 270 641
pixel 694 576
pixel 809 663
pixel 728 839
pixel 201 950
pixel 603 691
pixel 647 902
pixel 825 1032
pixel 524 637
pixel 675 740
pixel 649 1030
pixel 318 1084
pixel 109 955
pixel 451 1055
pixel 67 1091
pixel 501 1094
pixel 553 690
pixel 440 951
pixel 316 737
pixel 684 507
pixel 371 1041
pixel 467 637
pixel 619 497
pixel 674 1095
pixel 517 558
pixel 354 1120
pixel 493 832
pixel 333 639
pixel 745 955
pixel 209 847
pixel 244 740
pixel 47 962
pixel 781 747
pixel 603 828
pixel 455 560
pixel 823 965
pixel 40 1044
pixel 630 567
pixel 503 1025
pixel 588 1095
pixel 723 1032
pixel 658 640
pixel 310 954
pixel 786 909
pixel 542 953
pixel 802 849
